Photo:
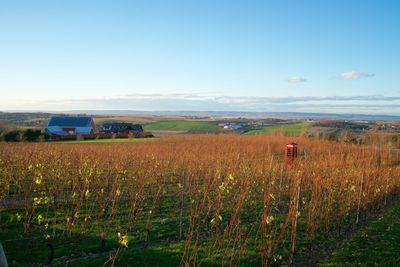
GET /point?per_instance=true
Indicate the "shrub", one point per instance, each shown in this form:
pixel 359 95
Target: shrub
pixel 32 135
pixel 13 136
pixel 331 137
pixel 349 138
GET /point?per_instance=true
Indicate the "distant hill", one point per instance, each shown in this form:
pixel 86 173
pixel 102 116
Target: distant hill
pixel 242 114
pixel 35 118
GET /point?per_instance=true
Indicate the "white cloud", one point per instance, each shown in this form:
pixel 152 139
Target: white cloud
pixel 355 75
pixel 297 79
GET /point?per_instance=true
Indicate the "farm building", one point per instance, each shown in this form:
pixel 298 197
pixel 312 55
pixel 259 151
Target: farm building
pixel 233 126
pixel 70 125
pixel 121 127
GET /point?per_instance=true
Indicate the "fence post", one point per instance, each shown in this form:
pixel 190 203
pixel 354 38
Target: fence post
pixel 3 259
pixel 359 199
pixel 386 189
pixel 182 198
pixel 294 226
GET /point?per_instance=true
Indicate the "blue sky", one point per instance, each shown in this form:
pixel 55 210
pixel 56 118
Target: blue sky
pixel 305 56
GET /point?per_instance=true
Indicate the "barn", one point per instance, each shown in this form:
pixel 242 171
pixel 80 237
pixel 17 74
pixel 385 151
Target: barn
pixel 70 125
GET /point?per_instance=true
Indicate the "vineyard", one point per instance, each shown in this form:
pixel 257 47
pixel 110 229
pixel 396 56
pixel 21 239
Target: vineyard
pixel 209 200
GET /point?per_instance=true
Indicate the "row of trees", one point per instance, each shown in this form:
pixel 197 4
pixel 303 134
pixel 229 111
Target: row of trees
pixel 30 135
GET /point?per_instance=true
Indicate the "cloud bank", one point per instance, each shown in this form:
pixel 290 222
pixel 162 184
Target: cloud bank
pixel 355 75
pixel 297 79
pixel 361 104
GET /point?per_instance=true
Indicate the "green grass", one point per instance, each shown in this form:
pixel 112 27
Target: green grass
pixel 182 125
pixel 34 252
pixel 162 253
pixel 291 129
pixel 377 245
pixel 166 255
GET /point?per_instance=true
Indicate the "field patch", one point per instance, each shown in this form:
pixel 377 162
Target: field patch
pixel 182 125
pixel 289 129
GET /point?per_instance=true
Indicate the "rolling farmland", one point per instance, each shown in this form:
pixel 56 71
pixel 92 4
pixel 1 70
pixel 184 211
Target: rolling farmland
pixel 191 200
pixel 289 129
pixel 182 125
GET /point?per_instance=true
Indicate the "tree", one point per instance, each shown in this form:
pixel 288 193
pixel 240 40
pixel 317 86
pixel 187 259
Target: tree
pixel 32 135
pixel 349 137
pixel 13 136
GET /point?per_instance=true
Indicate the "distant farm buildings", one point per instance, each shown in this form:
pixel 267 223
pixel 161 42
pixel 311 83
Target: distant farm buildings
pixel 70 125
pixel 83 127
pixel 232 126
pixel 121 127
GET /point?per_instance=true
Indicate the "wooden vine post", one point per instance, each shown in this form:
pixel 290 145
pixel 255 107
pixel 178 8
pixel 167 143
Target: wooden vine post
pixel 359 199
pixel 295 215
pixel 182 199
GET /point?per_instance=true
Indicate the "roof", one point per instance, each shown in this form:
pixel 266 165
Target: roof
pixel 66 121
pixel 291 144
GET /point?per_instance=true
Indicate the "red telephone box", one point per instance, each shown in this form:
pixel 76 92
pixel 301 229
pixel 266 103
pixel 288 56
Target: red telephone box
pixel 290 152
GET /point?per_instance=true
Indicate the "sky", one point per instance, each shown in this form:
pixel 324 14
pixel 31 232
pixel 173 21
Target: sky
pixel 325 56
